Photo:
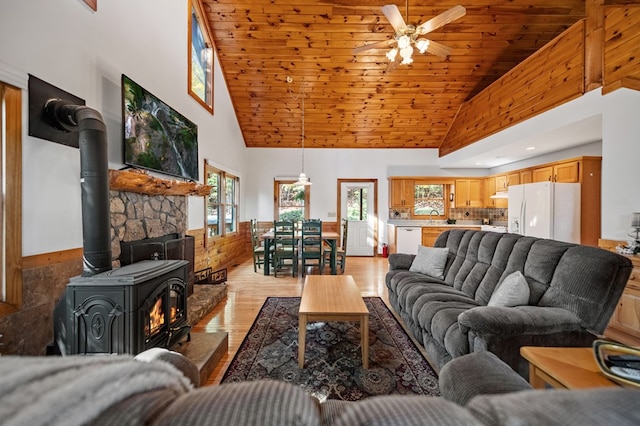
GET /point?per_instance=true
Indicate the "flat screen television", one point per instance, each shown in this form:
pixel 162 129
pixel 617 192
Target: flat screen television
pixel 157 137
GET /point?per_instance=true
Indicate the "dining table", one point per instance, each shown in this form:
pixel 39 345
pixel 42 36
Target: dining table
pixel 331 238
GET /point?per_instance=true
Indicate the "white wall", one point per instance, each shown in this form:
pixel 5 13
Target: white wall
pixel 325 166
pixel 83 52
pixel 620 162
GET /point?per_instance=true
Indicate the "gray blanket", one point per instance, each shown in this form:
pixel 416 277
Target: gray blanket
pixel 75 390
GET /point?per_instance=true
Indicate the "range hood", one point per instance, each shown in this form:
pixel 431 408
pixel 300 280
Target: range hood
pixel 500 194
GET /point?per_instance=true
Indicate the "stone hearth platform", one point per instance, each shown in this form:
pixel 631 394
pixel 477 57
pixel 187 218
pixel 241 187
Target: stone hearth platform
pixel 205 350
pixel 205 297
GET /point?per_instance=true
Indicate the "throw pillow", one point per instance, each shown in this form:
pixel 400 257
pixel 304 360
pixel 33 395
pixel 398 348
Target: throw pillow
pixel 430 261
pixel 512 291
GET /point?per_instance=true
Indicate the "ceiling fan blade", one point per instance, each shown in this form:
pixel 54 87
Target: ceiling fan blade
pixel 444 18
pixel 376 45
pixel 438 49
pixel 394 17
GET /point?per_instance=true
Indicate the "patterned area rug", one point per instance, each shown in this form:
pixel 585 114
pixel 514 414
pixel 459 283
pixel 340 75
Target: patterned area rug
pixel 333 360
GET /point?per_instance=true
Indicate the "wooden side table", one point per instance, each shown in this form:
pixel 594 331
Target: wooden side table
pixel 563 368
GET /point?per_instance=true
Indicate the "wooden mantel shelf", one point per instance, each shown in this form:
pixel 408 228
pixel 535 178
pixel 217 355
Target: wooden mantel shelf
pixel 142 183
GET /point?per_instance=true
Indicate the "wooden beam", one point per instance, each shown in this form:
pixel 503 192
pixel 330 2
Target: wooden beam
pixel 142 183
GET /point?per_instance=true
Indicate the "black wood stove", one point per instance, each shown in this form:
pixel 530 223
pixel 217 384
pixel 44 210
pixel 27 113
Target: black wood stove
pixel 104 311
pixel 125 310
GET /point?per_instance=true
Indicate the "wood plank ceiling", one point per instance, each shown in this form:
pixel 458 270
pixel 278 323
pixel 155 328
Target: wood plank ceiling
pixel 355 100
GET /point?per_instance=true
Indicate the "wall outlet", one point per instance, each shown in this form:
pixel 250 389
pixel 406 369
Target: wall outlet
pixel 331 214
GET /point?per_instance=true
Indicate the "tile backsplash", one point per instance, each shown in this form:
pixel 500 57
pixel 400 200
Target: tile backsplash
pixel 493 214
pixel 477 214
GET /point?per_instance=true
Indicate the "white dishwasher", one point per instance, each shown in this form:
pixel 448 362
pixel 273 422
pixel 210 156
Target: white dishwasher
pixel 408 238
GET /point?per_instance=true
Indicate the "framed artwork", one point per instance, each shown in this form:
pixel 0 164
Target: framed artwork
pixel 93 4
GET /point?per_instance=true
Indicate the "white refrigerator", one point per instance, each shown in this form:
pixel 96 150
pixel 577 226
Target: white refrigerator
pixel 545 210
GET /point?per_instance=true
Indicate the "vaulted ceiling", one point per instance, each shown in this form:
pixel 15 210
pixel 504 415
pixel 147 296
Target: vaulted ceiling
pixel 357 100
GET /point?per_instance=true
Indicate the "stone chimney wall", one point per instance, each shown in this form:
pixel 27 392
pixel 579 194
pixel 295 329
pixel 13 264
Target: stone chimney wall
pixel 138 216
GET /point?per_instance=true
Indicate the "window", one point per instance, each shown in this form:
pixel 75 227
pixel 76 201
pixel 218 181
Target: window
pixel 357 204
pixel 200 62
pixel 222 202
pixel 428 199
pixel 11 200
pixel 292 201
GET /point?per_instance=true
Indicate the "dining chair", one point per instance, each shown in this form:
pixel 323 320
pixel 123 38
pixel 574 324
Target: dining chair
pixel 285 247
pixel 341 252
pixel 257 246
pixel 312 249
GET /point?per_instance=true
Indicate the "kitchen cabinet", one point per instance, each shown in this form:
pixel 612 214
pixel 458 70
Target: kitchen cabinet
pixel 492 185
pixel 543 174
pixel 469 193
pixel 513 179
pixel 501 182
pixel 566 172
pixel 401 193
pixel 526 176
pixel 624 325
pixel 430 233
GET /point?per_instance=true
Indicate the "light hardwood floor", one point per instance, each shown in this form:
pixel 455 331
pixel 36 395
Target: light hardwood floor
pixel 247 292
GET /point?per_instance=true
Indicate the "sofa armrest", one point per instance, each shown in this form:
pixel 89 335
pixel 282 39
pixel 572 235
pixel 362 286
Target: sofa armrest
pixel 179 361
pixel 400 261
pixel 518 320
pixel 478 373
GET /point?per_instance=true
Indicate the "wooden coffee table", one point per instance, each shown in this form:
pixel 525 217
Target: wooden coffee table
pixel 332 298
pixel 564 368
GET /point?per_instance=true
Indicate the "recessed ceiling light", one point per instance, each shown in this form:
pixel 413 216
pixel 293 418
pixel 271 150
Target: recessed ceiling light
pixel 531 148
pixel 478 164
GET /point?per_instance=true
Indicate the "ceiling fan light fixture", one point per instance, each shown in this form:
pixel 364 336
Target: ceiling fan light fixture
pixel 391 55
pixel 404 41
pixel 422 45
pixel 407 61
pixel 406 52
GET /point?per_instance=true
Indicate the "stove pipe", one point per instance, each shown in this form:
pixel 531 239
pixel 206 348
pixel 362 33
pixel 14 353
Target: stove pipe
pixel 94 179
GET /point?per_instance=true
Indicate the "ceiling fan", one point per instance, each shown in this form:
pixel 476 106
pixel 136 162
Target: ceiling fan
pixel 407 35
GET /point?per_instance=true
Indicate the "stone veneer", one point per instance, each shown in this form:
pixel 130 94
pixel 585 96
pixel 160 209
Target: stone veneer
pixel 139 216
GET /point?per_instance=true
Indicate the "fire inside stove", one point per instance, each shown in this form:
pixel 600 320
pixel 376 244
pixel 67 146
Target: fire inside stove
pixel 156 319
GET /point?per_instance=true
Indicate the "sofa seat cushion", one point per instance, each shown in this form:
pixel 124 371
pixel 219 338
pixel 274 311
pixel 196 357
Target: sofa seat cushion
pixel 262 402
pixel 439 320
pixel 405 410
pixel 409 293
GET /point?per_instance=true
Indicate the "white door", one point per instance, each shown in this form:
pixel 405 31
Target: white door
pixel 357 207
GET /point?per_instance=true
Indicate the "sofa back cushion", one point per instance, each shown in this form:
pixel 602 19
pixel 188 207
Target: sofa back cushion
pixel 478 260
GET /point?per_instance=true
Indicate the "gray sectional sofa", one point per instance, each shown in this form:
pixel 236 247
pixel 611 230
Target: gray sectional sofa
pixel 118 390
pixel 571 293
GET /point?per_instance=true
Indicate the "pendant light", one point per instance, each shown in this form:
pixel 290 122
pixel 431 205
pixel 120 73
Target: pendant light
pixel 302 179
